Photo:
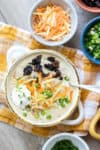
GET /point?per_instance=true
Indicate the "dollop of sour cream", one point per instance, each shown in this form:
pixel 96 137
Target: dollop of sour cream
pixel 21 96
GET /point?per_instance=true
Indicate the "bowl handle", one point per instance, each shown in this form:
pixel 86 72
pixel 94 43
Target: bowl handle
pixel 92 128
pixel 78 120
pixel 14 53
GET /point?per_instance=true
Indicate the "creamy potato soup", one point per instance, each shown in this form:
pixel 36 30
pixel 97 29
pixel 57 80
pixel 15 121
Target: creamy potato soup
pixel 40 90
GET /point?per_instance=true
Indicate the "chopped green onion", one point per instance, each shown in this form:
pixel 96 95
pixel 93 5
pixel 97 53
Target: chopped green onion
pixel 24 94
pixel 63 101
pixel 43 112
pixel 47 94
pixel 66 78
pixel 36 85
pixel 49 117
pixel 21 102
pixel 64 144
pixel 28 98
pixel 92 40
pixel 24 114
pixel 37 115
pixel 28 108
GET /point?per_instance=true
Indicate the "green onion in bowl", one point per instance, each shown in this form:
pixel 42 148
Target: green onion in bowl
pixel 92 40
pixel 65 141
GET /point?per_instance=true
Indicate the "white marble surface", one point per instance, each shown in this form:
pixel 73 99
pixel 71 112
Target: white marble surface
pixel 15 12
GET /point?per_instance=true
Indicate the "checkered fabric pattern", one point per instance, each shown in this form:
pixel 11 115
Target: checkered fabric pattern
pixel 88 73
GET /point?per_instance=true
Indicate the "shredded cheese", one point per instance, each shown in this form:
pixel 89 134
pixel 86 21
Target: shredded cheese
pixel 51 22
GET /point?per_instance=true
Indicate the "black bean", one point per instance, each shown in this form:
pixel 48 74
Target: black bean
pixel 38 68
pixel 36 60
pixel 44 74
pixel 52 67
pixel 49 67
pixel 61 78
pixel 27 70
pixel 51 59
pixel 55 64
pixel 57 74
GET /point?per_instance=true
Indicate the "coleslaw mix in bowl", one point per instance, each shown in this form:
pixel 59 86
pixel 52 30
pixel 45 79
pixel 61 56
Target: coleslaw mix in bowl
pixel 53 22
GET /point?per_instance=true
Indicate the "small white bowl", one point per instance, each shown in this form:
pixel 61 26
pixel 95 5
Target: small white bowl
pixel 66 4
pixel 77 141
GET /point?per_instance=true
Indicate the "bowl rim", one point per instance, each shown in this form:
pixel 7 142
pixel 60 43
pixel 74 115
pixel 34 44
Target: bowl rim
pixel 53 43
pixel 66 135
pixel 88 8
pixel 59 119
pixel 82 43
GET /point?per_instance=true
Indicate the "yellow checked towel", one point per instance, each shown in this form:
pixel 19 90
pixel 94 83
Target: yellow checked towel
pixel 88 73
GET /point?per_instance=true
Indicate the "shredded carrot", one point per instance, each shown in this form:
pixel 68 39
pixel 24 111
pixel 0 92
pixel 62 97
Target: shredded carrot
pixel 69 92
pixel 48 77
pixel 21 81
pixel 51 22
pixel 38 100
pixel 61 94
pixel 39 75
pixel 30 88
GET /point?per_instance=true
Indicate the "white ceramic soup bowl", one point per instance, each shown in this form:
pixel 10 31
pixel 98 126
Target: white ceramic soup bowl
pixel 9 86
pixel 67 5
pixel 77 141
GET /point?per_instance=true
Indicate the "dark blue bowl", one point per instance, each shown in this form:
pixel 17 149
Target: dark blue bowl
pixel 82 40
